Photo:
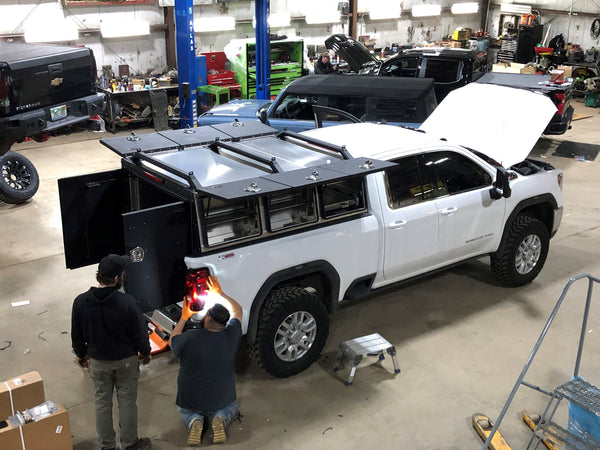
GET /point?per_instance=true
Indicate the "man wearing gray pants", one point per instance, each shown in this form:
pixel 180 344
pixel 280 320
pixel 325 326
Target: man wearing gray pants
pixel 109 336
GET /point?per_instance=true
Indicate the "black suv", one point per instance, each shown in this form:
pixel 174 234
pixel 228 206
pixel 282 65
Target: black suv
pixel 43 88
pixel 450 68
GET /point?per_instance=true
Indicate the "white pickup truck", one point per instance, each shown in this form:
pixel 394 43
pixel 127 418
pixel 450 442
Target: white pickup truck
pixel 294 223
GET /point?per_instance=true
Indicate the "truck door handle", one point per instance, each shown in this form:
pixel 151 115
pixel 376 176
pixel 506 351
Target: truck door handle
pixel 449 211
pixel 397 224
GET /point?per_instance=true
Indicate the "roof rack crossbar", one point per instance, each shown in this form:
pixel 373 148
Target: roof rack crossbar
pixel 187 176
pixel 336 148
pixel 272 163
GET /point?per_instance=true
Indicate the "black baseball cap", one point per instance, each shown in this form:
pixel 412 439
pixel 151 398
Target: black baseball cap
pixel 113 265
pixel 219 313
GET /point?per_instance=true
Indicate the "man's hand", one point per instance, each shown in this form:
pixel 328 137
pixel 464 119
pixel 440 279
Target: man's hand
pixel 145 359
pixel 84 362
pixel 214 285
pixel 186 312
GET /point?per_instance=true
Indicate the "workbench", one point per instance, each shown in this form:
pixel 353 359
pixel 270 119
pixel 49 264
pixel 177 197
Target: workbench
pixel 153 104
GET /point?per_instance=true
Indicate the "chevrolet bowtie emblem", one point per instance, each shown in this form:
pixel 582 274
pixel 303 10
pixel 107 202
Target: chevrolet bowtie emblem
pixel 56 82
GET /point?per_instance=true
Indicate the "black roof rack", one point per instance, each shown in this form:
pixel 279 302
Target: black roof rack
pixel 336 148
pixel 235 148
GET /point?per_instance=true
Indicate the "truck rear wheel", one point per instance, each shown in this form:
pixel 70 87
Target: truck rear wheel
pixel 19 179
pixel 523 254
pixel 291 332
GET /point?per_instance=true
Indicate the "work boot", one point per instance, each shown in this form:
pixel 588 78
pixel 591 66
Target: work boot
pixel 218 429
pixel 195 433
pixel 141 444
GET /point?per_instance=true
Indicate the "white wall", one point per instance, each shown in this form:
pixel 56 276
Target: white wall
pixel 148 53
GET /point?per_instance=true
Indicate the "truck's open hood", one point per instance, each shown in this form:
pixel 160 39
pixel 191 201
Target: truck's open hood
pixel 502 122
pixel 353 52
pixel 241 109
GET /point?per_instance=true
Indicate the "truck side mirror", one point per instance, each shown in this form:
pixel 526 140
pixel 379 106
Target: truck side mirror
pixel 501 187
pixel 262 115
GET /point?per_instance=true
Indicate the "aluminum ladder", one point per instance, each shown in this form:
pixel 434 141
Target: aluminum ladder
pixel 578 391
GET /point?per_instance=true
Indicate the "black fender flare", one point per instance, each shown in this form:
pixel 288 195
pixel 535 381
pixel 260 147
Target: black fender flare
pixel 524 204
pixel 290 273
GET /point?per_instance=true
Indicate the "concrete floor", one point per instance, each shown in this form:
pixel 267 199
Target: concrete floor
pixel 461 339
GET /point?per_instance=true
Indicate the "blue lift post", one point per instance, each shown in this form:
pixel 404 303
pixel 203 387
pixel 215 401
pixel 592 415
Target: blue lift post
pixel 262 10
pixel 186 63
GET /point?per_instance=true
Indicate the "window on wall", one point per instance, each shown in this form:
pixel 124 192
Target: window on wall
pixel 454 173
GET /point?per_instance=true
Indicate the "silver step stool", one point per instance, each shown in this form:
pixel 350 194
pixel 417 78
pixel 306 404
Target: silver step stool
pixel 356 349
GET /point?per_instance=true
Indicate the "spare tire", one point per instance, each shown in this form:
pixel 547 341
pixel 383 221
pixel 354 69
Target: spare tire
pixel 19 180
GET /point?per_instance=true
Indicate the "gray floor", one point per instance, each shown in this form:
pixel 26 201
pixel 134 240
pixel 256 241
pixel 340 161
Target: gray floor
pixel 461 339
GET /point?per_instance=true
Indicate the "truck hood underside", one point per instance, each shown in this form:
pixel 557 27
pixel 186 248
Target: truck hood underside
pixel 502 122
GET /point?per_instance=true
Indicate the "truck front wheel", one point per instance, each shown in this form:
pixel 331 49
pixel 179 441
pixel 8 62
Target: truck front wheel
pixel 523 254
pixel 19 180
pixel 291 333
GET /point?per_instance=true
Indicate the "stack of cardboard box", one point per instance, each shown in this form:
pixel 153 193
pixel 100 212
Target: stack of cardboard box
pixel 50 432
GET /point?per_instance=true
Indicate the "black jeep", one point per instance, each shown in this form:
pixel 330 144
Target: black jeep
pixel 450 68
pixel 43 88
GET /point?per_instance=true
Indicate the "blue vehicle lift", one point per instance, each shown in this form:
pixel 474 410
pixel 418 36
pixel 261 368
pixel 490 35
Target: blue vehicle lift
pixel 262 10
pixel 186 62
pixel 186 58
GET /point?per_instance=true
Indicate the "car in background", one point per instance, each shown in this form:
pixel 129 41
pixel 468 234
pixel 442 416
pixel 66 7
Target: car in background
pixel 394 101
pixel 450 68
pixel 560 94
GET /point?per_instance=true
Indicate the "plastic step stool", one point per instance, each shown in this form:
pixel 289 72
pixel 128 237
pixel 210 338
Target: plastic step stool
pixel 356 349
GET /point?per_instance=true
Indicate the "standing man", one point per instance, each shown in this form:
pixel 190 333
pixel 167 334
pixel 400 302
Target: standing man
pixel 206 381
pixel 323 65
pixel 110 337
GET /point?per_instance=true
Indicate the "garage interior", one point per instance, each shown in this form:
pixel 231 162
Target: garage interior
pixel 461 338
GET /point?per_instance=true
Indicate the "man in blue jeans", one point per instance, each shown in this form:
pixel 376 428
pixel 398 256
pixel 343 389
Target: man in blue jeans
pixel 110 337
pixel 206 380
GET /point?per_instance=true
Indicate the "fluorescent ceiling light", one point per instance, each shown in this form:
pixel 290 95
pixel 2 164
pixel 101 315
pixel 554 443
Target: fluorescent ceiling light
pixel 426 10
pixel 51 31
pixel 276 20
pixel 216 23
pixel 464 8
pixel 113 28
pixel 380 11
pixel 514 8
pixel 315 16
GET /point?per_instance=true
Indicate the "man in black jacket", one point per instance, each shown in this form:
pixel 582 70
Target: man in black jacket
pixel 110 337
pixel 323 65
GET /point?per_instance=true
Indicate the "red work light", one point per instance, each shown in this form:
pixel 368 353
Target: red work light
pixel 197 288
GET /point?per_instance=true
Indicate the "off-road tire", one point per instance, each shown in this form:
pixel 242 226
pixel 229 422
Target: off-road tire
pixel 283 305
pixel 19 180
pixel 529 238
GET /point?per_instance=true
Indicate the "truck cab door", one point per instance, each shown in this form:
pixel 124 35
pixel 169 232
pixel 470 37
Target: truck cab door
pixel 410 221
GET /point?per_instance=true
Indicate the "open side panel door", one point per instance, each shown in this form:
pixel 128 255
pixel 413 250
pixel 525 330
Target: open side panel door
pixel 91 207
pixel 164 233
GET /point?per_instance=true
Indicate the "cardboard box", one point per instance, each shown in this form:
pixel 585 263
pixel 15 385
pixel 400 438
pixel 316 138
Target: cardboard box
pixel 10 438
pixel 20 393
pixel 568 70
pixel 52 432
pixel 530 70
